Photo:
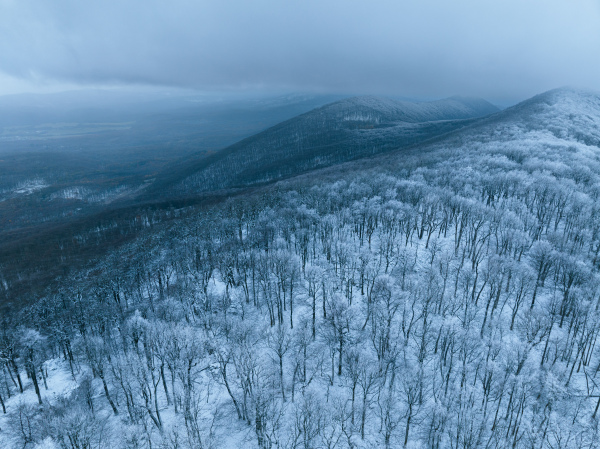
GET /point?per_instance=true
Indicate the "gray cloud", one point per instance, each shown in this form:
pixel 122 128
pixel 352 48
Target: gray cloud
pixel 503 50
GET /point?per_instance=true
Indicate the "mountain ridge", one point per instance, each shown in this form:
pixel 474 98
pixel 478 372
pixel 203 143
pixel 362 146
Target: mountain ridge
pixel 555 115
pixel 340 131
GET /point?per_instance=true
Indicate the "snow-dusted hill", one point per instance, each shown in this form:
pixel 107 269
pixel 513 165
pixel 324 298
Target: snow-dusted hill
pixel 569 114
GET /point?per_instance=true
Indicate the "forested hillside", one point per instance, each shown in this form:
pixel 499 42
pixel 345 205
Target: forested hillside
pixel 339 132
pixel 444 297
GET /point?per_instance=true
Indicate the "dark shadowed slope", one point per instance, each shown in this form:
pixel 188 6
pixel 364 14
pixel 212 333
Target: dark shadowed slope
pixel 335 133
pixel 66 155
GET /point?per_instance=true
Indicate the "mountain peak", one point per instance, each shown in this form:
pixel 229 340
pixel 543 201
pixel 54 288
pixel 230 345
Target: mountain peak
pixel 566 97
pixel 566 113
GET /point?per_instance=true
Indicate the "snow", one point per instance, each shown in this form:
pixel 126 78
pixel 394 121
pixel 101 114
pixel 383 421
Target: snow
pixel 60 385
pixel 30 186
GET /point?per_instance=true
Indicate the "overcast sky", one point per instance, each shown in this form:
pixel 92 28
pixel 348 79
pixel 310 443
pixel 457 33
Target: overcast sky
pixel 502 50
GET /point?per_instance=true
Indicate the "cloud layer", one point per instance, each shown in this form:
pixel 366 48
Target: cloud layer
pixel 506 49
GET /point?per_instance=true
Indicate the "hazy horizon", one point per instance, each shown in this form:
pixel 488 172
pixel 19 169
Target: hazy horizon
pixel 503 53
pixel 111 96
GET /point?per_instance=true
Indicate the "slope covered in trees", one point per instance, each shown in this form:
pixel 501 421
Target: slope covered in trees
pixel 443 298
pixel 342 131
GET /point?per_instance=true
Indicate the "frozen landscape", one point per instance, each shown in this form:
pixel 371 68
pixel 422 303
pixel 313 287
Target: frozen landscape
pixel 299 224
pixel 445 296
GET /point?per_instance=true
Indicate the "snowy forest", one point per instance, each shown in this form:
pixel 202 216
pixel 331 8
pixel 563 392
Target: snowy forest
pixel 442 297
